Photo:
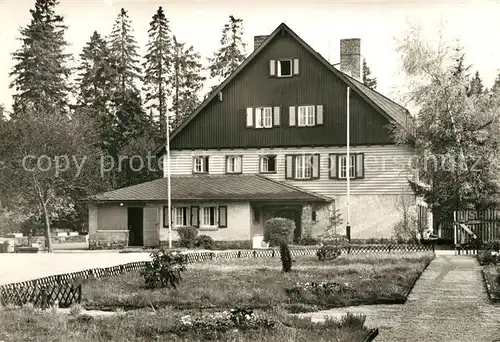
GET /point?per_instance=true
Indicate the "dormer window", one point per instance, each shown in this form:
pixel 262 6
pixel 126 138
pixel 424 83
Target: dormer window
pixel 200 164
pixel 286 67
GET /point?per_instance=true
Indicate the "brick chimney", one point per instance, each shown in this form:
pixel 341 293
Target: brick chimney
pixel 351 62
pixel 257 41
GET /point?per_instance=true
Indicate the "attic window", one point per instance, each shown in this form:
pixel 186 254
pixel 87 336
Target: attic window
pixel 285 68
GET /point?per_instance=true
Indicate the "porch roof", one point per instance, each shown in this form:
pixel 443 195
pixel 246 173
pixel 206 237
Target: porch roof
pixel 212 187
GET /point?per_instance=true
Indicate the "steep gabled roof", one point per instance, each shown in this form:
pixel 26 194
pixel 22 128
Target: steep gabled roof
pixel 388 108
pixel 249 187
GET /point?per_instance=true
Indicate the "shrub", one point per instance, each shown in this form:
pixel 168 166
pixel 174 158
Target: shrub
pixel 286 257
pixel 328 253
pixel 164 270
pixel 204 241
pixel 278 229
pixel 187 236
pixel 308 241
pixel 238 244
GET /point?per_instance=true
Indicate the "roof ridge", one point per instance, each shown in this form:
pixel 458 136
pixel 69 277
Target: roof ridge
pixel 293 187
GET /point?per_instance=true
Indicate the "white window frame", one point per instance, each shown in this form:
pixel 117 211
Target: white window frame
pixel 182 213
pixel 306 116
pixel 263 117
pixel 199 164
pixel 279 74
pixel 303 167
pixel 264 163
pixel 343 166
pixel 233 164
pixel 203 217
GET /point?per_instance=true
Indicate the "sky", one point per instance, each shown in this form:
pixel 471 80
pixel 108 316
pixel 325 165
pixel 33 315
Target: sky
pixel 320 23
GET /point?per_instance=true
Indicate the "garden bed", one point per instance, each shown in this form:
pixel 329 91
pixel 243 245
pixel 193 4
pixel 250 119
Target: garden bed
pixel 259 284
pixel 168 325
pixel 491 275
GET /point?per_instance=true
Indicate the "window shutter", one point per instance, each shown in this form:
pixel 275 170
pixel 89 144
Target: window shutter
pixel 276 117
pixel 360 165
pixel 249 117
pixel 206 164
pixel 165 217
pixel 272 67
pixel 289 167
pixel 292 116
pixel 223 217
pixel 333 166
pixel 295 66
pixel 319 115
pixel 315 166
pixel 195 216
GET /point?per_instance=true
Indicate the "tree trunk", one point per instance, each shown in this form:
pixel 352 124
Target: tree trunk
pixel 48 240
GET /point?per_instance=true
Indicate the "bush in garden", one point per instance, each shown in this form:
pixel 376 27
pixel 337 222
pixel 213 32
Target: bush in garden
pixel 328 253
pixel 165 270
pixel 204 241
pixel 286 257
pixel 187 236
pixel 278 229
pixel 308 241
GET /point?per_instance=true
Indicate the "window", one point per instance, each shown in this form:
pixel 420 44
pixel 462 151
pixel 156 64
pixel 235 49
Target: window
pixel 338 166
pixel 307 116
pixel 285 68
pixel 208 218
pixel 302 167
pixel 343 167
pixel 256 214
pixel 267 164
pixel 200 164
pixel 313 216
pixel 263 117
pixel 233 164
pixel 181 216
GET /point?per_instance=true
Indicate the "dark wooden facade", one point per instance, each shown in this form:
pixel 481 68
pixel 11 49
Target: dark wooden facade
pixel 222 124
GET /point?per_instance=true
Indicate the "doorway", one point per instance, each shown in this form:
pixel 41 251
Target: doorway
pixel 294 215
pixel 135 217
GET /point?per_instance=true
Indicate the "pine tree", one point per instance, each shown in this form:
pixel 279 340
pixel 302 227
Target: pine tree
pixel 232 51
pixel 158 68
pixel 40 73
pixel 186 81
pixel 476 85
pixel 495 89
pixel 370 82
pixel 123 47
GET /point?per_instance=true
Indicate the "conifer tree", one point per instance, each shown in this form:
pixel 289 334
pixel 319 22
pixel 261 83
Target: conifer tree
pixel 158 68
pixel 232 51
pixel 495 89
pixel 41 72
pixel 123 47
pixel 476 85
pixel 369 81
pixel 186 81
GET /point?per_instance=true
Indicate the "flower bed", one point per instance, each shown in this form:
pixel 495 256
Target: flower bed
pixel 168 325
pixel 491 275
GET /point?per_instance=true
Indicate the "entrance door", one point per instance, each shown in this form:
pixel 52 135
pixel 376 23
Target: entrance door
pixel 294 215
pixel 151 224
pixel 135 226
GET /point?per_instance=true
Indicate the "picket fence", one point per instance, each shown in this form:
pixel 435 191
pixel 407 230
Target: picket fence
pixel 66 289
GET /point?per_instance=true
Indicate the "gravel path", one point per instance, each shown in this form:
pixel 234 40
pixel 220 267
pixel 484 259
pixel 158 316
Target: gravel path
pixel 449 303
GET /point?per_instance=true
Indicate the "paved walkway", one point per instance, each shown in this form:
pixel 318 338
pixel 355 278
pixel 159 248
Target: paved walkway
pixel 449 303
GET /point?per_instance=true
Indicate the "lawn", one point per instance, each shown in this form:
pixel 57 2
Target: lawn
pixel 259 284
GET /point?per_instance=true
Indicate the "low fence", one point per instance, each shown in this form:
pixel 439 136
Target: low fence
pixel 66 288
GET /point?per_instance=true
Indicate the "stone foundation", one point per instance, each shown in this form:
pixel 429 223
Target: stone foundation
pixel 109 239
pixel 23 241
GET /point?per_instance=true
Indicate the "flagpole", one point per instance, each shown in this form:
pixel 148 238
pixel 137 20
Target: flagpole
pixel 348 226
pixel 169 193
